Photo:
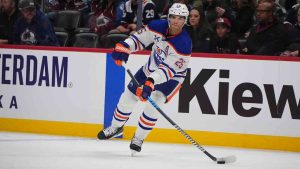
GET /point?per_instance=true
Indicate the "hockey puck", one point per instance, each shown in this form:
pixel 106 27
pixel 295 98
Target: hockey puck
pixel 221 162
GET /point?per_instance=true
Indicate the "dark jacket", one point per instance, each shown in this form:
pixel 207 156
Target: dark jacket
pixel 202 38
pixel 267 39
pixel 7 24
pixel 38 32
pixel 230 44
pixel 244 20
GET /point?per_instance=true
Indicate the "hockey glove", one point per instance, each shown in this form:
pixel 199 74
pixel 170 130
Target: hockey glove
pixel 121 53
pixel 144 91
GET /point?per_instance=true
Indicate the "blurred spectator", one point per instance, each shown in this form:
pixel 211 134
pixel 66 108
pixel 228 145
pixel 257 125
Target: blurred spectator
pixel 227 42
pixel 291 53
pixel 200 32
pixel 198 4
pixel 293 36
pixel 129 19
pixel 279 12
pixel 77 5
pixel 297 24
pixel 269 36
pixel 216 8
pixel 105 17
pixel 288 4
pixel 244 16
pixel 33 27
pixel 292 14
pixel 7 20
pixel 55 5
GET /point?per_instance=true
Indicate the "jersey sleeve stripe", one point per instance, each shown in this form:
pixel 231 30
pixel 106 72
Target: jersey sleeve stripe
pixel 182 72
pixel 135 44
pixel 136 38
pixel 164 71
pixel 183 76
pixel 170 74
pixel 170 96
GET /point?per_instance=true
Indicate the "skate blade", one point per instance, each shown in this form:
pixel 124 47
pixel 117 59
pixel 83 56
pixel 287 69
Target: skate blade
pixel 133 152
pixel 118 135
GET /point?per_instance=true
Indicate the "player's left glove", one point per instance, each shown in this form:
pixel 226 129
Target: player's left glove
pixel 144 91
pixel 121 53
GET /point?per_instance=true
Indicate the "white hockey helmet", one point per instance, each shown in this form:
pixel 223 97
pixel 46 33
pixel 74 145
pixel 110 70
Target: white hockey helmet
pixel 180 10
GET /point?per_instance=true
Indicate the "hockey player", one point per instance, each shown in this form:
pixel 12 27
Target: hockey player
pixel 161 76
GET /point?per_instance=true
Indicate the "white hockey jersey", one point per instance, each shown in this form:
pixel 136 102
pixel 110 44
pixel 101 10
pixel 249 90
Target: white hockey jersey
pixel 170 55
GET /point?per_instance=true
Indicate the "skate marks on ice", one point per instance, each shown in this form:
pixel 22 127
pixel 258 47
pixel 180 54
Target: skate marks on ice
pixel 27 151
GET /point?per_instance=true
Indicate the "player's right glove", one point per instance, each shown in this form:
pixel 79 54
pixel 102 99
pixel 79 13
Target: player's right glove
pixel 144 91
pixel 121 53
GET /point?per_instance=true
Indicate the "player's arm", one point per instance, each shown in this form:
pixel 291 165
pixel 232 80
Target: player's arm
pixel 135 42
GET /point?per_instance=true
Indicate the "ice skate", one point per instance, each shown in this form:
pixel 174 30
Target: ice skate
pixel 110 132
pixel 136 145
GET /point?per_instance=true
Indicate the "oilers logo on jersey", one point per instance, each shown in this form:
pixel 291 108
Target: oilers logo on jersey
pixel 159 56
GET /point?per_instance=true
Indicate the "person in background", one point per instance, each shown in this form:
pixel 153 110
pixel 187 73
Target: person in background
pixel 279 11
pixel 215 9
pixel 33 27
pixel 227 42
pixel 244 16
pixel 77 5
pixel 288 4
pixel 105 15
pixel 129 19
pixel 200 32
pixel 10 13
pixel 294 53
pixel 269 36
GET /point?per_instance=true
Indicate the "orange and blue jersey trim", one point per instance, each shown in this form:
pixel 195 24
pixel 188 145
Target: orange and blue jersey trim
pixel 120 116
pixel 137 43
pixel 170 96
pixel 187 55
pixel 146 122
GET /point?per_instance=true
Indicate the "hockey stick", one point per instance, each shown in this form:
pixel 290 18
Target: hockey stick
pixel 223 160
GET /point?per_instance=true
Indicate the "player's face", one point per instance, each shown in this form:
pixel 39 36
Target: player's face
pixel 176 23
pixel 194 17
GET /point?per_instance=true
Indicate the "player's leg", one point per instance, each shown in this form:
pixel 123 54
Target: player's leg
pixel 127 102
pixel 121 114
pixel 146 121
pixel 163 93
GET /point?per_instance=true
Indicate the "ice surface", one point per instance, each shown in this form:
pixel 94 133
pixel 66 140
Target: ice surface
pixel 29 151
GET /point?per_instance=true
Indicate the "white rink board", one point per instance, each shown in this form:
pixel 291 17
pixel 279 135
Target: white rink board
pixel 258 72
pixel 81 101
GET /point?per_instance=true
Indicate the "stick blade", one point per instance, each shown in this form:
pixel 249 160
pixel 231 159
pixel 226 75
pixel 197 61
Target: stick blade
pixel 228 159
